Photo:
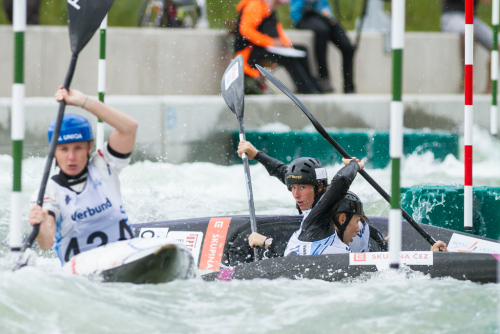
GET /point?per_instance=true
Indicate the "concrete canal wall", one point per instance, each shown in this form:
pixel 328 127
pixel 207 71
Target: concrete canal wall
pixel 146 61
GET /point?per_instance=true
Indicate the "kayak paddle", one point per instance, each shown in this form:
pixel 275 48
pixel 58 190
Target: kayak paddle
pixel 232 90
pixel 321 130
pixel 84 17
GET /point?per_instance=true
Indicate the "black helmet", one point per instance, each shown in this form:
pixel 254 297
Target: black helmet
pixel 306 171
pixel 350 204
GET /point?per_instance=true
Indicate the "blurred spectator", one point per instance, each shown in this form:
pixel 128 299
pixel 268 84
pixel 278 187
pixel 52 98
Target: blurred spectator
pixel 32 10
pixel 317 15
pixel 257 29
pixel 202 21
pixel 453 20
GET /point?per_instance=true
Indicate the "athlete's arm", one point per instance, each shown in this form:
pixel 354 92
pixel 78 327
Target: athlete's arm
pixel 318 224
pixel 47 233
pixel 122 139
pixel 285 41
pixel 273 166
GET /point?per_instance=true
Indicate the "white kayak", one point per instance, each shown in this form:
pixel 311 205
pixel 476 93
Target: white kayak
pixel 136 260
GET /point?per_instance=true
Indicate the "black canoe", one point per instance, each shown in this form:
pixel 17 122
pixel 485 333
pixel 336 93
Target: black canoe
pixel 221 242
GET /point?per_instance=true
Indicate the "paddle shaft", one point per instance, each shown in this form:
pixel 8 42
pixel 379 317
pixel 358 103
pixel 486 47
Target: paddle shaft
pixel 52 149
pixel 375 185
pixel 248 182
pixel 367 177
pixel 332 142
pixel 360 25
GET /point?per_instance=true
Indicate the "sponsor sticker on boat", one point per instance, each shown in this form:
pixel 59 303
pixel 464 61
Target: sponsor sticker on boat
pixel 213 245
pixel 382 258
pixel 153 232
pixel 192 240
pixel 464 244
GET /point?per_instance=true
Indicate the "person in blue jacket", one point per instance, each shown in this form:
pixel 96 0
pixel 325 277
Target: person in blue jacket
pixel 317 15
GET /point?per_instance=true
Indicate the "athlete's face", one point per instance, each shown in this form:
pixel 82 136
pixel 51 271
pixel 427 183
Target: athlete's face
pixel 303 194
pixel 72 157
pixel 352 228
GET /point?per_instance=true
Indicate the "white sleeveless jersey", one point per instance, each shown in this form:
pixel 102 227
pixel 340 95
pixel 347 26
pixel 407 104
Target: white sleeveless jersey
pixel 94 217
pixel 329 245
pixel 361 242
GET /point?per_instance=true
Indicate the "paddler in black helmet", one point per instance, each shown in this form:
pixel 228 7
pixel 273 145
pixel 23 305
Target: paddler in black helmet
pixel 307 180
pixel 334 220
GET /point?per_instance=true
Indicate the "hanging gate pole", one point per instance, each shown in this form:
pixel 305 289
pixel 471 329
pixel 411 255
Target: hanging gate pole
pixel 17 125
pixel 494 70
pixel 396 129
pixel 468 113
pixel 101 80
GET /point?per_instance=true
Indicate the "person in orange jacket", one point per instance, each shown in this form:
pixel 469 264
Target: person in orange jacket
pixel 257 29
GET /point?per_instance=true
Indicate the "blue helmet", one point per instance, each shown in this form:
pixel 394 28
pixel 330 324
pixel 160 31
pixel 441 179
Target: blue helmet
pixel 73 128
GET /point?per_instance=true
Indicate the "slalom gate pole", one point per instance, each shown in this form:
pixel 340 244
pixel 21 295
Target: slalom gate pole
pixel 17 124
pixel 396 128
pixel 494 70
pixel 468 112
pixel 101 80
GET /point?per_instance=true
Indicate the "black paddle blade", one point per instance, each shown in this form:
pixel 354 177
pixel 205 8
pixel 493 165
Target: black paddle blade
pixel 84 17
pixel 232 86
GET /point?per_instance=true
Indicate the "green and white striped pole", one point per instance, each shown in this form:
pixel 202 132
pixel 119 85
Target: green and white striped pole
pixel 17 124
pixel 101 81
pixel 494 70
pixel 396 128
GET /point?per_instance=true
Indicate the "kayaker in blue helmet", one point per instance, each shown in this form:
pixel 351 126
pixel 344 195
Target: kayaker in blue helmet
pixel 307 180
pixel 83 206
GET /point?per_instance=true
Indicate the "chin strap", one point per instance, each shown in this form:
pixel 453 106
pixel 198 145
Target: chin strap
pixel 341 228
pixel 297 206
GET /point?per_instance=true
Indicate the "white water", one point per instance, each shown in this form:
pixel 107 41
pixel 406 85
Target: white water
pixel 41 299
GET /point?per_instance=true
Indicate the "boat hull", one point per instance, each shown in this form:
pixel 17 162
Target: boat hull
pixel 480 268
pixel 137 261
pixel 224 241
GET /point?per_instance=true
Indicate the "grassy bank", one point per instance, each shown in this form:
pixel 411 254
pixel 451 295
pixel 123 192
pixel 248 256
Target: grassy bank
pixel 420 15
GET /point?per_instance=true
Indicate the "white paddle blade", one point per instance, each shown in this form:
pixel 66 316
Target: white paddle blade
pixel 232 86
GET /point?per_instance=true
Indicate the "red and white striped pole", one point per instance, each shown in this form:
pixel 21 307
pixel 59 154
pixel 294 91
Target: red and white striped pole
pixel 468 117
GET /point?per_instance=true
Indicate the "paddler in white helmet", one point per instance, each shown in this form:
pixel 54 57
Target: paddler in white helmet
pixel 83 207
pixel 307 180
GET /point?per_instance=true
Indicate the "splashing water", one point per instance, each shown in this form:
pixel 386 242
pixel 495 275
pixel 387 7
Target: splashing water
pixel 43 299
